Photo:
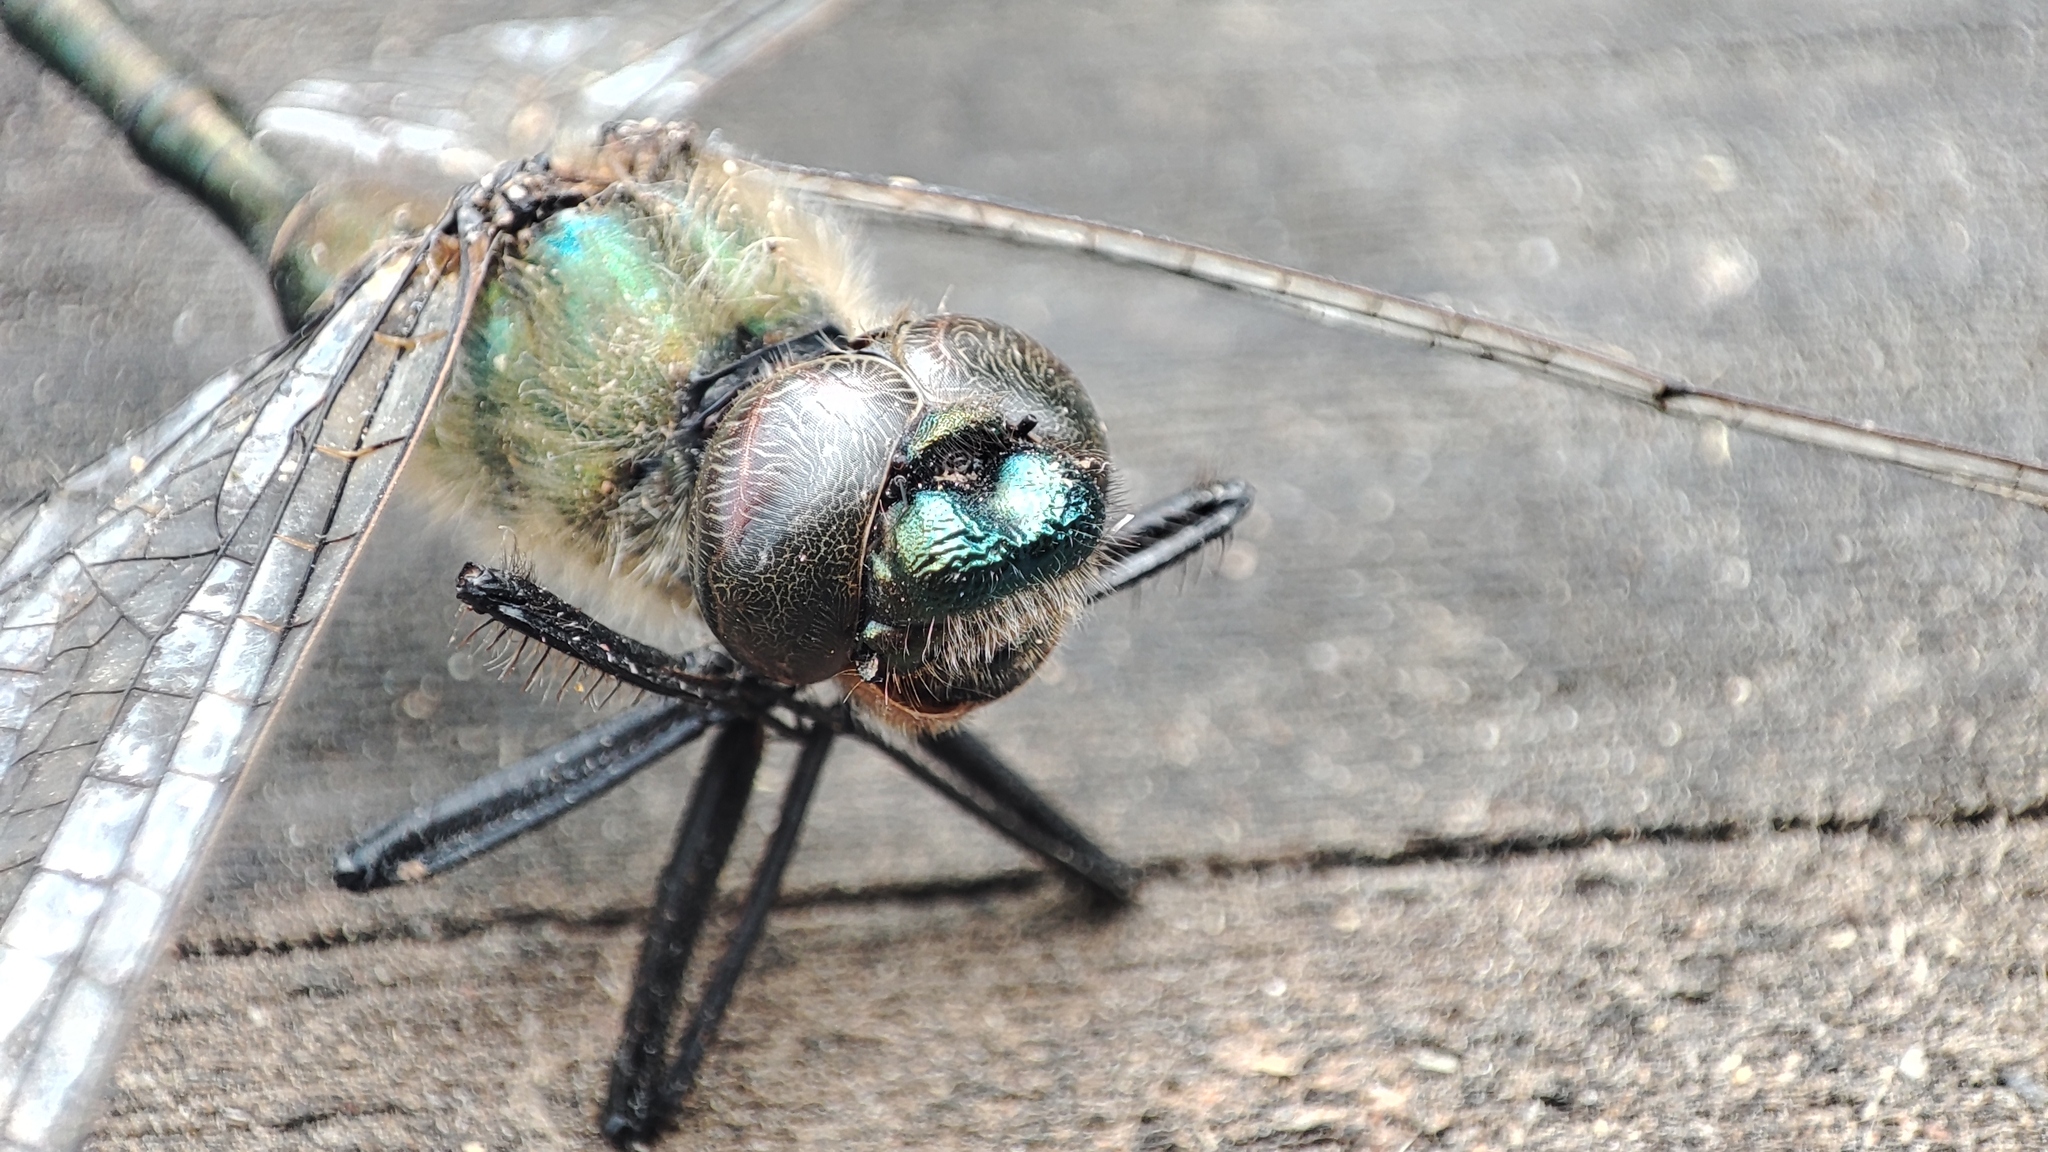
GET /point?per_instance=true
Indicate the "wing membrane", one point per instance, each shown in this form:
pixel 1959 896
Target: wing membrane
pixel 465 102
pixel 1436 325
pixel 152 611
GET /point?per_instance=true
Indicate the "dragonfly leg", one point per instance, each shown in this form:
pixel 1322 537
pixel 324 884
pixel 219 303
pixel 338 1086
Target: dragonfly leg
pixel 634 1116
pixel 958 766
pixel 1169 531
pixel 976 762
pixel 704 687
pixel 519 798
pixel 707 675
pixel 683 901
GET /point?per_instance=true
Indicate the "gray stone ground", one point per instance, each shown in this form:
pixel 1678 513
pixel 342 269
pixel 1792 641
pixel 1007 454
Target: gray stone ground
pixel 1531 768
pixel 1792 990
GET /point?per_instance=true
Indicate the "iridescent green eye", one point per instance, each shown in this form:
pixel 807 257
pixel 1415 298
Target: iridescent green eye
pixel 978 516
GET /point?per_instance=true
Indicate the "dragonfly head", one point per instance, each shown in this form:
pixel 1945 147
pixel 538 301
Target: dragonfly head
pixel 918 516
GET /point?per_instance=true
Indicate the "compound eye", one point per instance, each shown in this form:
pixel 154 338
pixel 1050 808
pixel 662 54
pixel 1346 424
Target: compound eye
pixel 975 511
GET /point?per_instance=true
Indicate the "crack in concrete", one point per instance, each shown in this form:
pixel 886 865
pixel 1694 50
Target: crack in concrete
pixel 1476 849
pixel 440 928
pixel 302 1120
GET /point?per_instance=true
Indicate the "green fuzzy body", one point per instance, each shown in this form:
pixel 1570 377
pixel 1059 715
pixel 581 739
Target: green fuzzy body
pixel 561 422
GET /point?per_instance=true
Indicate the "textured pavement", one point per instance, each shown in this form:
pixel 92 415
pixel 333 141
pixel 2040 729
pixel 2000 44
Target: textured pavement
pixel 1556 762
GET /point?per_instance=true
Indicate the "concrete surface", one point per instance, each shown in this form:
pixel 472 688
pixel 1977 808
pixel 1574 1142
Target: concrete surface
pixel 1800 990
pixel 1474 615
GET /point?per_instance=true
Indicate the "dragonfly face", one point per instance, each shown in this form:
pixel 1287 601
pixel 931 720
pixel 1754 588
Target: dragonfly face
pixel 1477 609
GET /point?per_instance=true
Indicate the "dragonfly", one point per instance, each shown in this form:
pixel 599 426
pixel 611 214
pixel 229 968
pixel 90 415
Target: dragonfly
pixel 1631 676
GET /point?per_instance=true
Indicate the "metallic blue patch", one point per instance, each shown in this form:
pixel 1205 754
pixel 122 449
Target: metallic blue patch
pixel 949 551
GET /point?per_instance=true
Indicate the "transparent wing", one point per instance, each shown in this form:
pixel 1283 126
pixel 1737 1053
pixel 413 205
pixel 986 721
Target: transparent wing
pixel 152 611
pixel 1436 325
pixel 447 114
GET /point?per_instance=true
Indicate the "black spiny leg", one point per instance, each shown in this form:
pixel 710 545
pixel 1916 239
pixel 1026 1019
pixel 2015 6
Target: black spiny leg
pixel 746 933
pixel 704 688
pixel 961 768
pixel 519 798
pixel 964 752
pixel 1168 532
pixel 682 902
